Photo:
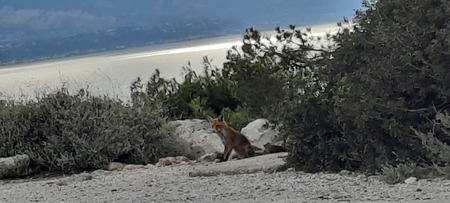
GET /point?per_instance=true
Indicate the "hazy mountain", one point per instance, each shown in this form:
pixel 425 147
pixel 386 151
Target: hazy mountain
pixel 32 30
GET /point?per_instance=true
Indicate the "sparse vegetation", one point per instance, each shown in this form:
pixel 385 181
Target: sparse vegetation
pixel 66 133
pixel 372 98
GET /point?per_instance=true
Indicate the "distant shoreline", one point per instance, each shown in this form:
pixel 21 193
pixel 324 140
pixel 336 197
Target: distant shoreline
pixel 111 73
pixel 155 47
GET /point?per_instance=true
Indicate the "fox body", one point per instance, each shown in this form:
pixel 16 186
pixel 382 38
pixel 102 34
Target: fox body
pixel 233 139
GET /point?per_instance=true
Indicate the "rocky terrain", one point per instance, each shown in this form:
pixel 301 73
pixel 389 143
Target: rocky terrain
pixel 174 184
pixel 175 179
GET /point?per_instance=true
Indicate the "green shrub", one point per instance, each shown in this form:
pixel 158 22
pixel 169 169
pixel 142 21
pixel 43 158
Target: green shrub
pixel 440 149
pixel 63 132
pixel 238 118
pixel 387 75
pixel 197 96
pixel 399 173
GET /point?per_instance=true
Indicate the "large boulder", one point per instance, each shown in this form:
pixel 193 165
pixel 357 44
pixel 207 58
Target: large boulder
pixel 199 134
pixel 259 132
pixel 14 167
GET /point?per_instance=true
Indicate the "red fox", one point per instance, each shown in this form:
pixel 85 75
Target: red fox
pixel 233 139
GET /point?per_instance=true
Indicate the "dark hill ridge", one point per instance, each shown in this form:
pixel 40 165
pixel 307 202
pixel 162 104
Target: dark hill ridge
pixel 33 30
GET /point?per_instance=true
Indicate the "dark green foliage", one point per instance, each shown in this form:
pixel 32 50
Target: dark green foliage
pixel 197 96
pixel 438 149
pixel 63 132
pixel 386 76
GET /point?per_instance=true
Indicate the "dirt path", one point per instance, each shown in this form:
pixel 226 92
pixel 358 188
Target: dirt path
pixel 173 184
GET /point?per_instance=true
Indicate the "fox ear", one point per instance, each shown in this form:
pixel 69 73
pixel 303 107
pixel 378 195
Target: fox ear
pixel 221 118
pixel 209 118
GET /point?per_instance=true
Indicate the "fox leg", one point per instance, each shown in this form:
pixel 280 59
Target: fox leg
pixel 225 153
pixel 228 153
pixel 224 156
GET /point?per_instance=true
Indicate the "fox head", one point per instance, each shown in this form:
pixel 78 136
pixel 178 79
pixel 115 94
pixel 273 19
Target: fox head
pixel 217 123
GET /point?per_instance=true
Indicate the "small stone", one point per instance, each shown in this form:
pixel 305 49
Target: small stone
pixel 345 173
pixel 182 159
pixel 61 183
pixel 132 167
pixel 115 166
pixel 210 157
pixel 100 172
pixel 290 170
pixel 329 177
pixel 362 178
pixel 418 190
pixel 149 166
pixel 85 176
pixel 410 180
pixel 166 161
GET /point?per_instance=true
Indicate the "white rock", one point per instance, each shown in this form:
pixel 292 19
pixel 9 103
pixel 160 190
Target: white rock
pixel 100 172
pixel 14 167
pixel 259 132
pixel 133 167
pixel 198 133
pixel 410 180
pixel 115 166
pixel 345 172
pixel 149 166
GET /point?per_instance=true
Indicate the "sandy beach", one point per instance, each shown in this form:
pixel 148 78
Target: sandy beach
pixel 111 73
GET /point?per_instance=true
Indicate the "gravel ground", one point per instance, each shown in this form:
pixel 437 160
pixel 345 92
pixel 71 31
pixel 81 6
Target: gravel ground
pixel 173 184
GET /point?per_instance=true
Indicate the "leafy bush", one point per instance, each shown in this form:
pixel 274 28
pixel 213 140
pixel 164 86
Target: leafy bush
pixel 439 150
pixel 385 76
pixel 238 118
pixel 63 132
pixel 196 96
